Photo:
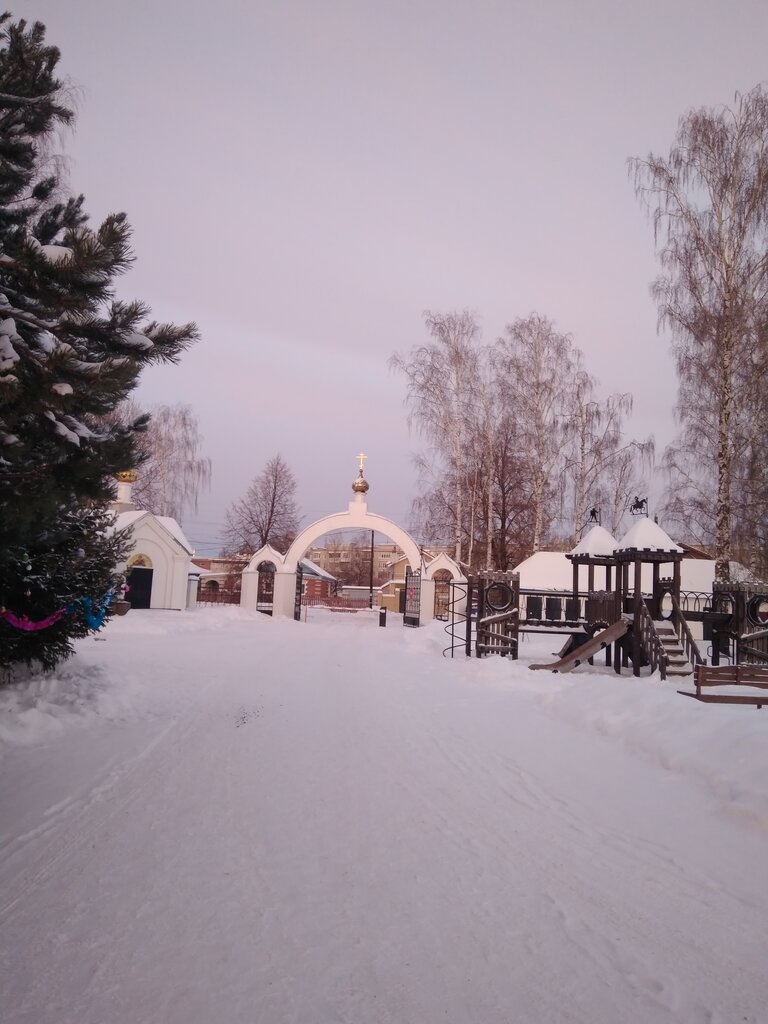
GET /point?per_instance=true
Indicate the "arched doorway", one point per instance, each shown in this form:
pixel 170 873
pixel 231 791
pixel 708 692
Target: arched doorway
pixel 265 593
pixel 139 581
pixel 442 578
pixel 356 518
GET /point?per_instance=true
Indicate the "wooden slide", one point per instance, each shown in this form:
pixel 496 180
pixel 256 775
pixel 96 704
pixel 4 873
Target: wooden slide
pixel 587 650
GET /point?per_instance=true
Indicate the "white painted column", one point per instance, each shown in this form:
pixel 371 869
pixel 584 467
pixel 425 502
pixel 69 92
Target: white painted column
pixel 249 590
pixel 427 602
pixel 285 594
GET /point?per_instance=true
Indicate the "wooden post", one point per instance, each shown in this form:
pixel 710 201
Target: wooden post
pixel 618 649
pixel 656 609
pixel 482 583
pixel 591 578
pixel 636 623
pixel 468 637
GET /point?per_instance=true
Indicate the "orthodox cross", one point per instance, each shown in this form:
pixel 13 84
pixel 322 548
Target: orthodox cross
pixel 362 461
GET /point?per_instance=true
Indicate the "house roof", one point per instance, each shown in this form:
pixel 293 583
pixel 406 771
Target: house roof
pixel 310 569
pixel 126 520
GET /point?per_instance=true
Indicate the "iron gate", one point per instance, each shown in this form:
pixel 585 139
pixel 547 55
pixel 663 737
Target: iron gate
pixel 297 597
pixel 412 598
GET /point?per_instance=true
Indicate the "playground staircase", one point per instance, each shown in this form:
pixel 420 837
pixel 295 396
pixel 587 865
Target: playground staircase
pixel 677 662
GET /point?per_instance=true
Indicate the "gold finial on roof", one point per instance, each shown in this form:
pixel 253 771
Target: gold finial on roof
pixel 361 485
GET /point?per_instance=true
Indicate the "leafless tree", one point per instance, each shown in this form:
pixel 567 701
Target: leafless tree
pixel 540 368
pixel 268 513
pixel 709 201
pixel 511 523
pixel 499 473
pixel 602 459
pixel 620 478
pixel 172 471
pixel 442 381
pixel 357 568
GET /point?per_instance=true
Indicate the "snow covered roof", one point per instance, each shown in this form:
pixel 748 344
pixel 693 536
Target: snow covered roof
pixel 546 570
pixel 314 570
pixel 125 520
pixel 199 570
pixel 645 534
pixel 598 543
pixel 551 570
pixel 176 532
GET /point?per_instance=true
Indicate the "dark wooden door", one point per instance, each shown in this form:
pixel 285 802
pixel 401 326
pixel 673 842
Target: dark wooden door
pixel 140 587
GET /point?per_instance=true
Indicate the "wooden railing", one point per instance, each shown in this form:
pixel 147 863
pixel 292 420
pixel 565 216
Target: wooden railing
pixel 604 606
pixel 497 634
pixel 650 643
pixel 542 606
pixel 751 654
pixel 684 635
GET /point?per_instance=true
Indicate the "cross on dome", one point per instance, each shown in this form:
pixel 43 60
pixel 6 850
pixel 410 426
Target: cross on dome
pixel 360 486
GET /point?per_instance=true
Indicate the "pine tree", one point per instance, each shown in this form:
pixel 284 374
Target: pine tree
pixel 69 352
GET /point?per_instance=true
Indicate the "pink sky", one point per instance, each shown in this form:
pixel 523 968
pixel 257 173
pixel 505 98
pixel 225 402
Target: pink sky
pixel 304 179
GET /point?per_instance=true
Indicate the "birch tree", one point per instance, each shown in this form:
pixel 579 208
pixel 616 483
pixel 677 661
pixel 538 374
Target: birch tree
pixel 541 367
pixel 442 380
pixel 599 442
pixel 709 203
pixel 172 469
pixel 621 477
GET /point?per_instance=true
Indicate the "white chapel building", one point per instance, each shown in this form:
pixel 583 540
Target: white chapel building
pixel 158 567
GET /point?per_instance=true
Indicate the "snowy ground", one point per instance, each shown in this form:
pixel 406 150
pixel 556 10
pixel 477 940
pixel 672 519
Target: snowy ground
pixel 216 817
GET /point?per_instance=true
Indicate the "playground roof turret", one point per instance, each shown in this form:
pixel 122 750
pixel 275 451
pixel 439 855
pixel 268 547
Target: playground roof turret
pixel 647 542
pixel 596 547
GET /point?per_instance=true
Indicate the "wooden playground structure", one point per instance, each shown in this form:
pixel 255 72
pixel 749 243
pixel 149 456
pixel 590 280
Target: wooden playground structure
pixel 639 618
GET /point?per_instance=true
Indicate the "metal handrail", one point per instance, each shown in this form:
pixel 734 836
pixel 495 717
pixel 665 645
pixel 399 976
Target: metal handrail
pixel 458 639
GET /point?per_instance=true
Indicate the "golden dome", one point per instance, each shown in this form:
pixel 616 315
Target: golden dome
pixel 361 485
pixel 127 476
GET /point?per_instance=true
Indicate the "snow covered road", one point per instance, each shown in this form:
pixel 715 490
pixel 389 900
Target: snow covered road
pixel 247 820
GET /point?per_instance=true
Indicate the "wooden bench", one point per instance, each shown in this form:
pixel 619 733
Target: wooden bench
pixel 730 675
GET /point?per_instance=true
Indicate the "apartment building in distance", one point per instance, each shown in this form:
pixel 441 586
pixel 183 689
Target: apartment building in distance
pixel 354 559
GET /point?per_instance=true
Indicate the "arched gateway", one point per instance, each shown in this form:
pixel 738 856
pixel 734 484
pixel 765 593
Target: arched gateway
pixel 357 517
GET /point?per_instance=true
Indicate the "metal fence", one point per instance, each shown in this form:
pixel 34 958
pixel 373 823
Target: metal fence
pixel 213 598
pixel 350 603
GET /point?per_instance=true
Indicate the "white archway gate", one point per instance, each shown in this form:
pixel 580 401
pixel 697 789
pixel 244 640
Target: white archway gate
pixel 357 517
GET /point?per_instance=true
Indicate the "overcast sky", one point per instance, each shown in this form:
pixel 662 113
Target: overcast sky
pixel 305 178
